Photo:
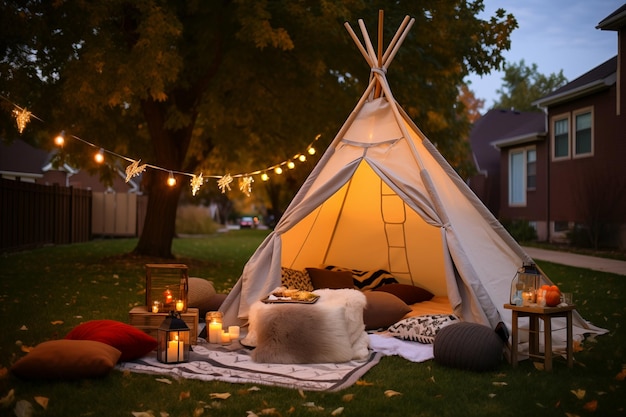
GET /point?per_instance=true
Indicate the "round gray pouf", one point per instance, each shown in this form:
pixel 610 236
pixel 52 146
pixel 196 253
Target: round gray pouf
pixel 468 346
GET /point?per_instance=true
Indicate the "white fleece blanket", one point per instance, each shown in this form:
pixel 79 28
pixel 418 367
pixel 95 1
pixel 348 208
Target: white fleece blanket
pixel 385 344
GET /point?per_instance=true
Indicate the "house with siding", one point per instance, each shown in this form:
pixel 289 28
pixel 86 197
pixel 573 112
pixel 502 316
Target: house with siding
pixel 573 182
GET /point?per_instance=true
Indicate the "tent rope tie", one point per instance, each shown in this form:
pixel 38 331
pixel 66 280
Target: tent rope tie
pixel 381 71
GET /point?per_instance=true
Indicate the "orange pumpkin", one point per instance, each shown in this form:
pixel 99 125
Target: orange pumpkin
pixel 553 296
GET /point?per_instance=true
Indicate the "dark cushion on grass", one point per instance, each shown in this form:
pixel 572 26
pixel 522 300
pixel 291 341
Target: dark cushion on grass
pixel 132 342
pixel 468 346
pixel 67 359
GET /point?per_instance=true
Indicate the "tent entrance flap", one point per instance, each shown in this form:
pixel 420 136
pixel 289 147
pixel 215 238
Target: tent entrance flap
pixel 366 225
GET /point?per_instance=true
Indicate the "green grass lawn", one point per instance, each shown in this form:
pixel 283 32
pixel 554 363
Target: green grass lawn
pixel 44 293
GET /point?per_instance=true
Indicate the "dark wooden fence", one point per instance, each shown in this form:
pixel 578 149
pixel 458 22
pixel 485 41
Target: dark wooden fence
pixel 33 215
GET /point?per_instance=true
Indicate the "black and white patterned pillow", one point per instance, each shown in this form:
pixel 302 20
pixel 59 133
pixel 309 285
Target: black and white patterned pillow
pixel 292 278
pixel 367 280
pixel 422 329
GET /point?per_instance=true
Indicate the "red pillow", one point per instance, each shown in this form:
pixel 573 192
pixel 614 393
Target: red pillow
pixel 132 342
pixel 410 294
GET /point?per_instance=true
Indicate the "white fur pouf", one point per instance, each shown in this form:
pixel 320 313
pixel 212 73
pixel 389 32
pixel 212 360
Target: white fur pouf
pixel 328 331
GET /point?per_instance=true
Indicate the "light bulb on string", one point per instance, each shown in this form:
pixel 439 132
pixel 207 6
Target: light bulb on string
pixel 265 177
pixel 171 181
pixel 311 151
pixel 99 157
pixel 302 158
pixel 291 165
pixel 60 139
pixel 278 170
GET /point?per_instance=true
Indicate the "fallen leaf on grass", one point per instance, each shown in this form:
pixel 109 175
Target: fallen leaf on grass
pixel 142 413
pixel 621 375
pixel 499 383
pixel 591 406
pixel 164 380
pixel 491 395
pixel 42 401
pixel 579 393
pixel 184 395
pixel 301 393
pixel 391 393
pixel 311 406
pixel 198 411
pixel 54 323
pixel 8 399
pixel 26 349
pixel 364 383
pixel 220 396
pixel 538 366
pixel 23 409
pixel 269 412
pixel 337 411
pixel 571 415
pixel 23 327
pixel 347 398
pixel 254 388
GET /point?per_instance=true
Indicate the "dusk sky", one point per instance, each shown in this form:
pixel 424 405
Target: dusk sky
pixel 556 35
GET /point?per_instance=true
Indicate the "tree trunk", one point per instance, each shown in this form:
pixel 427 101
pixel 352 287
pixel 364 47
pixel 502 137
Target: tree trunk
pixel 160 224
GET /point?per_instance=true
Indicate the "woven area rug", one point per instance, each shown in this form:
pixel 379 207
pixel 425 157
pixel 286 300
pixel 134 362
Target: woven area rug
pixel 233 364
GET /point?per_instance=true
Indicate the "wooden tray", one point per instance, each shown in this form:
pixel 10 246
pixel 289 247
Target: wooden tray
pixel 267 300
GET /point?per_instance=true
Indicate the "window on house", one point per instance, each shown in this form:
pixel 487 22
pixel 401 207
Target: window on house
pixel 561 138
pixel 583 139
pixel 531 169
pixel 522 174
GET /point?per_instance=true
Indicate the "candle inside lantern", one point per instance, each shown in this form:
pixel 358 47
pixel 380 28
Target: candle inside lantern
pixel 180 305
pixel 233 331
pixel 215 332
pixel 167 295
pixel 175 350
pixel 528 297
pixel 225 338
pixel 155 307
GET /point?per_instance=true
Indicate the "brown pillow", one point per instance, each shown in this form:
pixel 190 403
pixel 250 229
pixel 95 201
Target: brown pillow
pixel 67 359
pixel 334 280
pixel 382 310
pixel 410 294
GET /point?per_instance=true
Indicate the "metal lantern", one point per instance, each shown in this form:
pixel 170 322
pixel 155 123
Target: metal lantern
pixel 525 284
pixel 173 340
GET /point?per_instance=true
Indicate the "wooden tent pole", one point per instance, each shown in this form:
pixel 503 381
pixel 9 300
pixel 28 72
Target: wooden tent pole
pixel 381 15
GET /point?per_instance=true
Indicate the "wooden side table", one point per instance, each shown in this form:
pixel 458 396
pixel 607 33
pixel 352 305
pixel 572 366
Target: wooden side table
pixel 534 313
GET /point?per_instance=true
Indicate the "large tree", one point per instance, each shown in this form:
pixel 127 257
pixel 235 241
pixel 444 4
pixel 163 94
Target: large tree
pixel 523 84
pixel 214 86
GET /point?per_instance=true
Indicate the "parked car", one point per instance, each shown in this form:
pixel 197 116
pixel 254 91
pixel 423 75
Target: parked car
pixel 248 222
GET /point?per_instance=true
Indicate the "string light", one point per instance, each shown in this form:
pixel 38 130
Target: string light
pixel 171 181
pixel 99 157
pixel 60 139
pixel 23 117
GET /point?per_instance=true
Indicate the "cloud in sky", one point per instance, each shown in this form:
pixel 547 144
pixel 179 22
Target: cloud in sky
pixel 556 35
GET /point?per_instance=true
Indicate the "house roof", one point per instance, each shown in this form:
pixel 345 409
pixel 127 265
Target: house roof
pixel 599 78
pixel 18 157
pixel 499 127
pixel 614 21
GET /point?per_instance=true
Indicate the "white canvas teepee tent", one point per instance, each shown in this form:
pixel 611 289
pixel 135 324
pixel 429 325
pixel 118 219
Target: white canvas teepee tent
pixel 383 197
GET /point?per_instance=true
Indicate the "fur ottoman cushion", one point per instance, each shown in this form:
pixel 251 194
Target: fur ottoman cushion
pixel 329 331
pixel 200 295
pixel 468 346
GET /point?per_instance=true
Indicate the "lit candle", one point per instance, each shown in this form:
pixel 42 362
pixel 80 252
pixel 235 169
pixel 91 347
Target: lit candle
pixel 215 332
pixel 155 307
pixel 225 338
pixel 179 305
pixel 175 350
pixel 167 295
pixel 233 331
